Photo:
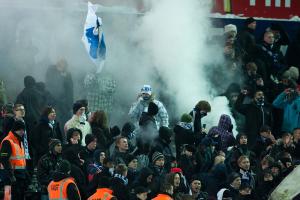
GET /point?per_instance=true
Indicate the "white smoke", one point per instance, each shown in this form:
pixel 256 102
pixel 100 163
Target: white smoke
pixel 174 33
pixel 168 41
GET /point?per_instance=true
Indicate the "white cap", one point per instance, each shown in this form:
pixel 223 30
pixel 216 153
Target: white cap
pixel 146 89
pixel 230 27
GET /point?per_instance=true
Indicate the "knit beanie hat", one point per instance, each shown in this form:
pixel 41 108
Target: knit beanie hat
pixel 53 142
pixel 157 155
pixel 127 129
pixel 230 27
pixel 76 107
pixel 291 73
pixel 64 167
pixel 18 125
pixel 115 131
pixel 89 138
pixel 249 21
pixel 152 109
pixel 186 118
pixel 140 189
pixel 176 170
pixel 146 89
pixel 165 133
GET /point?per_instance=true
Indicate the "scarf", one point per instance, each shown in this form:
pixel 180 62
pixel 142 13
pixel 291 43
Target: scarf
pixel 185 125
pixel 124 179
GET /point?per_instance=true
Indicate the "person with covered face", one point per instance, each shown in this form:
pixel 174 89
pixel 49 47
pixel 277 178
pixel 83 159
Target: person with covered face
pixel 222 133
pixel 201 109
pixel 141 105
pixel 257 113
pixel 79 120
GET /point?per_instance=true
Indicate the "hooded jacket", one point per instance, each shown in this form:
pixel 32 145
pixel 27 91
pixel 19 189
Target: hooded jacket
pixel 224 130
pixel 291 117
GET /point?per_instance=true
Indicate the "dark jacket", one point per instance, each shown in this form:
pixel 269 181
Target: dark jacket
pixel 104 138
pixel 224 130
pixel 183 135
pixel 120 188
pixel 41 136
pixel 214 180
pixel 255 116
pixel 31 98
pixel 234 154
pixel 71 189
pixel 46 167
pixel 163 147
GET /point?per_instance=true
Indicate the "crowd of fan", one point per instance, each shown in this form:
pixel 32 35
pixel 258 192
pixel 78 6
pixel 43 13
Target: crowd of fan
pixel 146 159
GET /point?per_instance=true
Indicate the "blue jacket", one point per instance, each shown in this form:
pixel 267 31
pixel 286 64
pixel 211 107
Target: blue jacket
pixel 291 117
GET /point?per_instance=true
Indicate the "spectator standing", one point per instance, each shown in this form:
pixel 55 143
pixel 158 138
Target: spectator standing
pixel 141 105
pixel 79 120
pixel 45 130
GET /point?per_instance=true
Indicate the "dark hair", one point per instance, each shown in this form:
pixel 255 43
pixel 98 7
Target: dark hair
pixel 29 81
pixel 70 133
pixel 121 169
pixel 203 105
pixel 47 110
pixel 107 160
pixel 170 178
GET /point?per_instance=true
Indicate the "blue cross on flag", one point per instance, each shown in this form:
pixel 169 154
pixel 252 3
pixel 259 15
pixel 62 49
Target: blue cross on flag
pixel 93 37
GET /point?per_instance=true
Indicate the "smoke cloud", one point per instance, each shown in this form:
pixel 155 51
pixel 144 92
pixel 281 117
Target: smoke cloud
pixel 165 47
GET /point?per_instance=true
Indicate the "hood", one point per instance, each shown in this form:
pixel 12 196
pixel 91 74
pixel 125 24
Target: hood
pixel 219 171
pixel 71 156
pixel 225 123
pixel 58 176
pixel 145 172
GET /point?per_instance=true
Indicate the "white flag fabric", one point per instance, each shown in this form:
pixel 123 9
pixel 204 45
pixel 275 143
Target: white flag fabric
pixel 93 37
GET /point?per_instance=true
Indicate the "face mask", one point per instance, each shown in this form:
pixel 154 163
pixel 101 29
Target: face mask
pixel 203 114
pixel 82 118
pixel 146 98
pixel 260 101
